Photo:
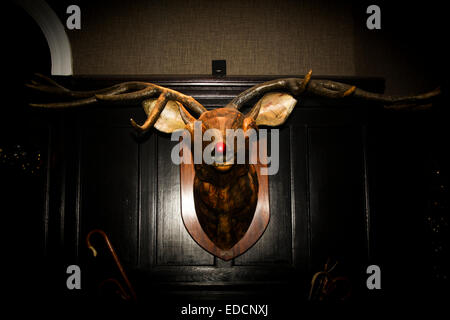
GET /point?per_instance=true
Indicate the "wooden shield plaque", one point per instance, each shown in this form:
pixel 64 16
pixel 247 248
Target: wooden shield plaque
pixel 257 226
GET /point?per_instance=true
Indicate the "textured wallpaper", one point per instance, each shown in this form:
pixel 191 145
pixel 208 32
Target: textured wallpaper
pixel 182 37
pixel 260 37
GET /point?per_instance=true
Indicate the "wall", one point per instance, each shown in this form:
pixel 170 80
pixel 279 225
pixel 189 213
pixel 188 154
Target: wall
pixel 408 51
pixel 262 37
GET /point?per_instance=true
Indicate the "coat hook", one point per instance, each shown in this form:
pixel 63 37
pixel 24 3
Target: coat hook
pixel 116 259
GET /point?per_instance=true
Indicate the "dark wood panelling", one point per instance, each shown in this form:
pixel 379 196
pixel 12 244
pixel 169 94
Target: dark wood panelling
pixel 109 188
pixel 174 245
pixel 274 247
pixel 105 176
pixel 336 182
pixel 299 179
pixel 148 196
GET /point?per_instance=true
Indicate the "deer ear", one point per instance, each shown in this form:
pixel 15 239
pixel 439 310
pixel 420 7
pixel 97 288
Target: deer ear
pixel 170 119
pixel 275 109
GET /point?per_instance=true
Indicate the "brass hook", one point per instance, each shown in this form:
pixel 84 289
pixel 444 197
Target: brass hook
pixel 116 259
pixel 323 284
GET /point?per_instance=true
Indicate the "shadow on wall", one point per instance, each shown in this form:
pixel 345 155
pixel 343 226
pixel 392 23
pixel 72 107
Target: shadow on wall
pixel 408 51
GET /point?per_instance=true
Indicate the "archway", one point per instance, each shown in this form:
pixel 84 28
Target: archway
pixel 54 32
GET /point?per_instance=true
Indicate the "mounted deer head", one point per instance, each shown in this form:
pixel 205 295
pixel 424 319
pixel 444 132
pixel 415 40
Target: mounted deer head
pixel 226 194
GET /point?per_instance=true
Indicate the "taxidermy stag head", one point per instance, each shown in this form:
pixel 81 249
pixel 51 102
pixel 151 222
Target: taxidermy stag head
pixel 225 193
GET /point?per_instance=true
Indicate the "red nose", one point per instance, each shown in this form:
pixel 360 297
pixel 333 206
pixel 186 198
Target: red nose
pixel 220 147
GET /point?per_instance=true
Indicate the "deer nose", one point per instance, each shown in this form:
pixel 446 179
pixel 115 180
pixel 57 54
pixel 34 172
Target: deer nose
pixel 220 147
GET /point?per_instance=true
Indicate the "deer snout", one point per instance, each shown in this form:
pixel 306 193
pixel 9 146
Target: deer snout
pixel 220 147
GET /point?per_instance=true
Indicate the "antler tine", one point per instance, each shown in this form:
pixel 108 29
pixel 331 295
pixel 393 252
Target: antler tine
pixel 185 115
pixel 165 96
pixel 150 91
pixel 69 104
pixel 92 99
pixel 49 80
pixel 153 115
pixel 54 88
pixel 333 89
pixel 187 101
pixel 130 97
pixel 330 89
pixel 294 85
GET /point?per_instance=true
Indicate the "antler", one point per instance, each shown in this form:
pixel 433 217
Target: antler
pixel 135 91
pixel 124 93
pixel 331 89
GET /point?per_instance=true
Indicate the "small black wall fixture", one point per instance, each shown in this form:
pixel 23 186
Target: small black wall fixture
pixel 219 68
